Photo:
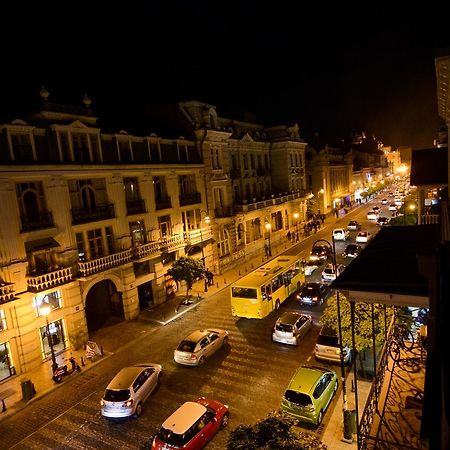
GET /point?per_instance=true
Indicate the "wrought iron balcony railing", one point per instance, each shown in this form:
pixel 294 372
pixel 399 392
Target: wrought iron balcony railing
pixel 36 221
pixel 99 212
pixel 224 211
pixel 135 207
pixel 190 199
pixel 163 203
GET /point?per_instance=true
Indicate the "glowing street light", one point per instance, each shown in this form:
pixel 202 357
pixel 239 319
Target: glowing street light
pixel 207 221
pixel 268 228
pixel 296 217
pixel 321 191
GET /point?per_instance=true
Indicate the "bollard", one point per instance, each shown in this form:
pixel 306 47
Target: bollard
pixel 224 281
pixel 239 272
pixel 4 406
pixel 198 295
pixel 353 385
pixel 245 268
pixel 217 285
pixel 82 362
pixel 252 264
pixel 101 350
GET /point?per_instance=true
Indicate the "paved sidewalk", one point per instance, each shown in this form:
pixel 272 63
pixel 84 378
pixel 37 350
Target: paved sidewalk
pixel 113 336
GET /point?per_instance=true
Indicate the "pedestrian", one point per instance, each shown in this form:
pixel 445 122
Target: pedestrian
pixel 289 235
pixel 209 277
pixel 322 218
pixel 266 249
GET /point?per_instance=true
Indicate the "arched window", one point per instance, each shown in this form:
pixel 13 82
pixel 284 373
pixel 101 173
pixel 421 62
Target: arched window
pixel 240 234
pixel 87 195
pixel 31 199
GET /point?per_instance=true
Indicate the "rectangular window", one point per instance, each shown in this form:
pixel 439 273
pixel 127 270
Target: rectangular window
pixel 80 246
pixel 110 240
pixel 244 156
pixel 23 151
pixel 81 148
pixel 2 320
pixel 95 243
pixel 54 332
pixel 244 292
pixel 52 301
pixel 155 154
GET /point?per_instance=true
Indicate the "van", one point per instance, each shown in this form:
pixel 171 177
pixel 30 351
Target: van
pixel 340 234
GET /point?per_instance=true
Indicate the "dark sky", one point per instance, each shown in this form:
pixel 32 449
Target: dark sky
pixel 332 70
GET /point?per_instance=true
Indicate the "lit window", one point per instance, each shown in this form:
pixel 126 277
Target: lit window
pixel 52 300
pixel 2 320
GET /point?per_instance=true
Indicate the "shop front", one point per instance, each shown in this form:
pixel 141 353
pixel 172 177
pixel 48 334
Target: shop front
pixel 6 363
pixel 52 336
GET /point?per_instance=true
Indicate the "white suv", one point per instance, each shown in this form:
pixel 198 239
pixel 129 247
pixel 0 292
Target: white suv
pixel 340 234
pixel 328 274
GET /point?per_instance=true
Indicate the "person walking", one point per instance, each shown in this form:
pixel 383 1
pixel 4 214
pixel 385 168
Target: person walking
pixel 289 235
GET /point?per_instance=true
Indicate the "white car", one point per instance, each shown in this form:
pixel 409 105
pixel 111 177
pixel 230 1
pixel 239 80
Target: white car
pixel 328 274
pixel 199 345
pixel 129 389
pixel 290 327
pixel 398 202
pixel 384 201
pixel 372 215
pixel 310 267
pixel 340 234
pixel 363 237
pixel 392 207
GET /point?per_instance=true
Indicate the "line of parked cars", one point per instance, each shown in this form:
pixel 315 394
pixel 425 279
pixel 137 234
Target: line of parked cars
pixel 194 423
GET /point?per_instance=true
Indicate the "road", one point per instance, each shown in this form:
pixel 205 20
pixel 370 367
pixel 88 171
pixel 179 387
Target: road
pixel 250 376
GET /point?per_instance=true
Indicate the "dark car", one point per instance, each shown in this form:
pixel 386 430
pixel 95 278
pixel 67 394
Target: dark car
pixel 313 293
pixel 352 251
pixel 353 225
pixel 382 221
pixel 320 252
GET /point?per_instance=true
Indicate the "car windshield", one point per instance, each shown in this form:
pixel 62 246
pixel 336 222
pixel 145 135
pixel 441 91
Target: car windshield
pixel 286 328
pixel 297 397
pixel 362 234
pixel 112 395
pixel 328 271
pixel 187 346
pixel 309 289
pixel 350 248
pixel 329 341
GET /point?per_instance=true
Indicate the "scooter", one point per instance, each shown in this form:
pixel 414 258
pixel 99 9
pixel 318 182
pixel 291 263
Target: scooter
pixel 61 372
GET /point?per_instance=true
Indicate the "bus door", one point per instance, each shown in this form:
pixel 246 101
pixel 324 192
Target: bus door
pixel 266 300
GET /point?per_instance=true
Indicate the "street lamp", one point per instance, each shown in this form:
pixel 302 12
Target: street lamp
pixel 207 221
pixel 341 348
pixel 268 227
pixel 318 200
pixel 45 311
pixel 412 208
pixel 296 216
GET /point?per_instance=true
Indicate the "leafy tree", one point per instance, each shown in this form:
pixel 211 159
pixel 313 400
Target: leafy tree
pixel 276 431
pixel 363 323
pixel 188 270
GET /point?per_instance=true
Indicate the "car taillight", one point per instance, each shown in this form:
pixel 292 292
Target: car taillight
pixel 193 356
pixel 128 403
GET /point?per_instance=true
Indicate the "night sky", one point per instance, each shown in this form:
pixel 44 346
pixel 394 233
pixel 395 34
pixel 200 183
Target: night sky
pixel 332 71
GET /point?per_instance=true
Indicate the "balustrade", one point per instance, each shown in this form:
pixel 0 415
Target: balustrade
pixel 87 268
pixel 37 283
pixel 6 292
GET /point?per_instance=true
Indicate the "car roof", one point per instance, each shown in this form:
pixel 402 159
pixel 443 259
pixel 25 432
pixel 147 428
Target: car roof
pixel 305 379
pixel 289 317
pixel 125 378
pixel 183 418
pixel 196 335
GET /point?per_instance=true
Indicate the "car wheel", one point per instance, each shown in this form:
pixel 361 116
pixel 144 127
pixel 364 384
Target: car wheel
pixel 319 417
pixel 138 410
pixel 225 340
pixel 225 420
pixel 277 305
pixel 201 361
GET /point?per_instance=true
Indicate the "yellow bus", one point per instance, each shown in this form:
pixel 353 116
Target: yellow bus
pixel 261 291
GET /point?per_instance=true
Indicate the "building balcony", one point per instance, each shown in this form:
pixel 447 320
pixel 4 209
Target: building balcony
pixel 42 282
pixel 196 236
pixel 224 211
pixel 172 243
pixel 99 212
pixel 36 221
pixel 427 219
pixel 235 174
pixel 135 207
pixel 147 250
pixel 163 203
pixel 190 199
pixel 275 200
pixel 7 292
pixel 87 268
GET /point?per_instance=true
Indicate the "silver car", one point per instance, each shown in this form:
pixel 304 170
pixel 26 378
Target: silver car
pixel 129 389
pixel 290 327
pixel 199 345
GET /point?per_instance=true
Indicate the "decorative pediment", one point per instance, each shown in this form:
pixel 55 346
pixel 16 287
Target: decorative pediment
pixel 247 138
pixel 77 124
pixel 18 122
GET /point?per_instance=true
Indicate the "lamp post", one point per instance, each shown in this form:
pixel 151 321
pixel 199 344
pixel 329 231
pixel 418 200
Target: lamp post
pixel 207 221
pixel 341 353
pixel 268 227
pixel 318 200
pixel 296 216
pixel 45 311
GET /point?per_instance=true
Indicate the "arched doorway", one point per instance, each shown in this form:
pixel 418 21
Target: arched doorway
pixel 103 305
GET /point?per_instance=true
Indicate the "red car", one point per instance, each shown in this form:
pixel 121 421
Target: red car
pixel 192 425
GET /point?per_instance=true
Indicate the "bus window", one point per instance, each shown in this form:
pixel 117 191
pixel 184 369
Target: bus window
pixel 244 292
pixel 277 282
pixel 266 292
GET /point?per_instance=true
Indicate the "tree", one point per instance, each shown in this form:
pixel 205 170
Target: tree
pixel 276 431
pixel 363 323
pixel 188 270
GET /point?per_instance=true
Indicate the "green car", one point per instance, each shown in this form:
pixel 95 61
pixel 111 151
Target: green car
pixel 309 393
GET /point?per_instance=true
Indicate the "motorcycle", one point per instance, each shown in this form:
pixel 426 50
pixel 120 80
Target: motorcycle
pixel 61 372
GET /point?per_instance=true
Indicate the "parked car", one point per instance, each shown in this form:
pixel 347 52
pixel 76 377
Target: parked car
pixel 320 252
pixel 363 237
pixel 372 215
pixel 384 201
pixel 353 225
pixel 309 393
pixel 392 207
pixel 398 202
pixel 328 274
pixel 199 345
pixel 352 251
pixel 340 234
pixel 192 425
pixel 382 221
pixel 129 389
pixel 376 209
pixel 290 327
pixel 313 294
pixel 327 348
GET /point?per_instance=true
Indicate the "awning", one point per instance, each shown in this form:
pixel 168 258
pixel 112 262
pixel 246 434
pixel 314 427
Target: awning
pixel 40 245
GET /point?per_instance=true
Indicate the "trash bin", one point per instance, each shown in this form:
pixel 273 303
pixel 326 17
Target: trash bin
pixel 27 390
pixel 349 424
